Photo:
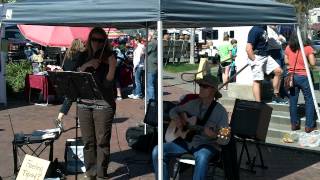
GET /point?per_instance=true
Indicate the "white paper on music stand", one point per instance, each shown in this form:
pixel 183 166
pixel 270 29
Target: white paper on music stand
pixel 44 134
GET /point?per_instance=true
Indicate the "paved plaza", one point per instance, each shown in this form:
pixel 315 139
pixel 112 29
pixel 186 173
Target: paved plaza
pixel 127 163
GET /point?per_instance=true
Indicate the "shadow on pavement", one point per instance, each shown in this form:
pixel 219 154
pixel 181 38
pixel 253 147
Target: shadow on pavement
pixel 176 84
pixel 168 77
pixel 120 120
pixel 14 104
pixel 133 164
pixel 281 163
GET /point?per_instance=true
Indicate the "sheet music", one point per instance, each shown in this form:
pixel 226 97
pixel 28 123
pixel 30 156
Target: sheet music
pixel 75 85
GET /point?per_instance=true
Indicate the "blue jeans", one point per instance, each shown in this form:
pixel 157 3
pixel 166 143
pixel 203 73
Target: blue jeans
pixel 301 83
pixel 138 81
pixel 202 156
pixel 151 86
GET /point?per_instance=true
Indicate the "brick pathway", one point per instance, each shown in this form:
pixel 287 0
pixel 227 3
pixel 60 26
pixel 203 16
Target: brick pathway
pixel 125 162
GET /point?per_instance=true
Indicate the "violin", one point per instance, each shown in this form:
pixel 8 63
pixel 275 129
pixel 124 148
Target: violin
pixel 102 54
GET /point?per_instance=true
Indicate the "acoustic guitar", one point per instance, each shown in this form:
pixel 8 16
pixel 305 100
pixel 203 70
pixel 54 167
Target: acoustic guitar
pixel 188 131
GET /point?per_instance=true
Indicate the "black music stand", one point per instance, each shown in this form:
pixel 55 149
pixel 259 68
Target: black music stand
pixel 75 86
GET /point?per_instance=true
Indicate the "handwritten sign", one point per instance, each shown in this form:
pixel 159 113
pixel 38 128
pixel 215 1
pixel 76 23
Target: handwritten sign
pixel 203 68
pixel 33 168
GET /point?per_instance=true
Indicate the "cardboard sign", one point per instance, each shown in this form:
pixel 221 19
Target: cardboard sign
pixel 33 168
pixel 203 68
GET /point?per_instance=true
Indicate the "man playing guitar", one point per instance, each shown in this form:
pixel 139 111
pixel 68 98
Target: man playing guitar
pixel 203 144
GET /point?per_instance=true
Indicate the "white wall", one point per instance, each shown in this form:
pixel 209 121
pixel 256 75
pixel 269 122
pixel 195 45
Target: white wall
pixel 241 35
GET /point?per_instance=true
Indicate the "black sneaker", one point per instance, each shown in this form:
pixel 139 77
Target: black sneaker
pixel 279 100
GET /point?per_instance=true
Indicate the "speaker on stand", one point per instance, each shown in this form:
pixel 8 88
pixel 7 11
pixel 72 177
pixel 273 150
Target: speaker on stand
pixel 249 122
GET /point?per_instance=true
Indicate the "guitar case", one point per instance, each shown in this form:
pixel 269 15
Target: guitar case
pixel 139 141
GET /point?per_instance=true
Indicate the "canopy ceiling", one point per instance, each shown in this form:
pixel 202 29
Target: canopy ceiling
pixel 135 14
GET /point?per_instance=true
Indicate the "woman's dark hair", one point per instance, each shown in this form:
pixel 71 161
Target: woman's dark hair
pixel 107 49
pixel 294 42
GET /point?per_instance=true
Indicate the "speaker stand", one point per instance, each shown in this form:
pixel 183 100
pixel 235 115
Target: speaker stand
pixel 251 162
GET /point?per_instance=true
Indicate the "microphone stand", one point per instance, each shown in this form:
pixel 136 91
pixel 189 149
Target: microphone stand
pixel 195 74
pixel 77 125
pixel 75 156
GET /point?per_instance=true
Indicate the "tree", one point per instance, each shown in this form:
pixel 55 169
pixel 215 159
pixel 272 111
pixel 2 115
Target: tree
pixel 7 1
pixel 302 10
pixel 302 6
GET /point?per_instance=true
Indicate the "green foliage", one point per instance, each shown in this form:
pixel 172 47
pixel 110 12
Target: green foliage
pixel 8 1
pixel 302 6
pixel 180 67
pixel 302 10
pixel 15 74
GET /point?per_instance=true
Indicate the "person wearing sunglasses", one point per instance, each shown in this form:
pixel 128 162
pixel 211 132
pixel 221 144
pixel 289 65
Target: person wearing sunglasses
pixel 96 116
pixel 203 145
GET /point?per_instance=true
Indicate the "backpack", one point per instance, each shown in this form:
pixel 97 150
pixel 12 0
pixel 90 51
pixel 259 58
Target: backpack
pixel 55 170
pixel 139 141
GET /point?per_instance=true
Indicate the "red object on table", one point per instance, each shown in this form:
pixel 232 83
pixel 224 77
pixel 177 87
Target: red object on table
pixel 40 82
pixel 61 36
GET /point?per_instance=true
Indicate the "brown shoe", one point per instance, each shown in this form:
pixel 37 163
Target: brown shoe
pixel 295 127
pixel 309 130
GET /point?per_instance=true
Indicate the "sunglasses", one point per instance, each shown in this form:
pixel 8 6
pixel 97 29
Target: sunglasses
pixel 204 86
pixel 99 40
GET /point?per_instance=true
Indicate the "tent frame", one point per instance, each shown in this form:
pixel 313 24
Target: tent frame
pixel 306 64
pixel 177 19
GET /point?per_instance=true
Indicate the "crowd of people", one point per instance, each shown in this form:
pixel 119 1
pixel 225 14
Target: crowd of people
pixel 269 51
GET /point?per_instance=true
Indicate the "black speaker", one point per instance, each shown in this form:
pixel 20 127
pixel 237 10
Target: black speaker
pixel 250 119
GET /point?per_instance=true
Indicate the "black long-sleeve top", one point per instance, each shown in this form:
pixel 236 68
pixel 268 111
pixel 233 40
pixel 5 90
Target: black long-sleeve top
pixel 105 87
pixel 68 65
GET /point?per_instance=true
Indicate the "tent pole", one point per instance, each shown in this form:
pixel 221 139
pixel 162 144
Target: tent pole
pixel 160 101
pixel 3 59
pixel 308 72
pixel 192 46
pixel 146 76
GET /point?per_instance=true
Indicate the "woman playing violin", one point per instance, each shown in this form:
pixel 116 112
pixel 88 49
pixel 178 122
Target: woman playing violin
pixel 96 116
